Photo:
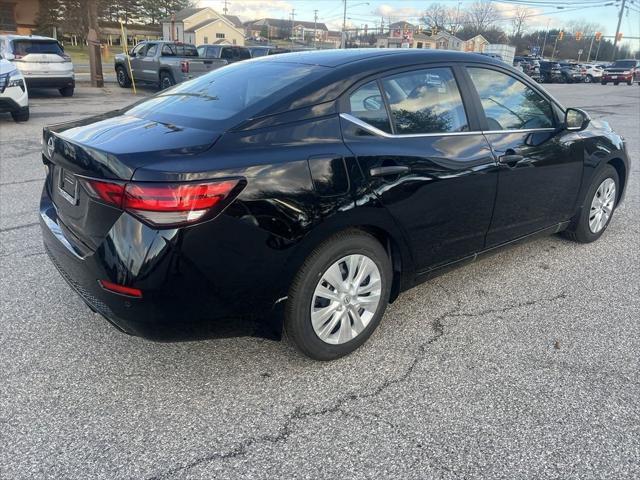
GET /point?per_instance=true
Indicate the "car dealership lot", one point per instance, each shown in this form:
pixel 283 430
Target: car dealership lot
pixel 523 364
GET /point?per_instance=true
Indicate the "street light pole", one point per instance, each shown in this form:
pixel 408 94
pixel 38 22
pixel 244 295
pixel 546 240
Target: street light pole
pixel 344 25
pixel 615 39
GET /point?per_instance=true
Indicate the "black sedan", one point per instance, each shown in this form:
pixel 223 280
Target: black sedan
pixel 305 191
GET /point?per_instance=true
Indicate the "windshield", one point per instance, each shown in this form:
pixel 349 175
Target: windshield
pixel 245 88
pixel 624 64
pixel 25 47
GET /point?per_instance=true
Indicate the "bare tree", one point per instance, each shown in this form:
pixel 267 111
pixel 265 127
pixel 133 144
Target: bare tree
pixel 519 21
pixel 442 17
pixel 481 16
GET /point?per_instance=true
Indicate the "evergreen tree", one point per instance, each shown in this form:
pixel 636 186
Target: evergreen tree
pixel 48 17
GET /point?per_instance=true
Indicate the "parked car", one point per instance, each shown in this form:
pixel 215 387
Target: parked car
pixel 592 72
pixel 14 97
pixel 570 72
pixel 261 51
pixel 318 188
pixel 228 53
pixel 160 63
pixel 622 71
pixel 41 60
pixel 551 72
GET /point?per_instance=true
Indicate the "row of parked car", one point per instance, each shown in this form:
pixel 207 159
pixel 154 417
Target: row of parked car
pixel 545 71
pixel 31 61
pixel 166 63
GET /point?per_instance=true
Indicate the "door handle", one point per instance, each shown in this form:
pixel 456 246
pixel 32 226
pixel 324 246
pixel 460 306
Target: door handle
pixel 390 170
pixel 510 159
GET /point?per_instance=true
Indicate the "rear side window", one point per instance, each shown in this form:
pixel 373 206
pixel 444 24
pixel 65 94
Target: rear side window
pixel 244 53
pixel 179 50
pixel 367 105
pixel 26 47
pixel 508 103
pixel 259 52
pixel 425 101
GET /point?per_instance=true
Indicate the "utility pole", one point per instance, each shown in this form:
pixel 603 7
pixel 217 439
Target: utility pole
pixel 293 15
pixel 344 25
pixel 590 47
pixel 225 9
pixel 554 48
pixel 544 44
pixel 93 39
pixel 615 39
pixel 315 33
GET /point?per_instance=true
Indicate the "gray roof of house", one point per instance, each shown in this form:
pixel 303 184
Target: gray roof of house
pixel 204 23
pixel 182 14
pixel 234 19
pixel 281 23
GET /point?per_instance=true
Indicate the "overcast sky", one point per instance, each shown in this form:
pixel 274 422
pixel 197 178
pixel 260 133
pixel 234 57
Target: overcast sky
pixel 359 13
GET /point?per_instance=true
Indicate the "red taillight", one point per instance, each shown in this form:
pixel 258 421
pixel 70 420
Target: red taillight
pixel 121 289
pixel 164 204
pixel 184 66
pixel 108 192
pixel 17 57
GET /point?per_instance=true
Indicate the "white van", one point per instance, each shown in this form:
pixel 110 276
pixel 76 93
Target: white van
pixel 41 60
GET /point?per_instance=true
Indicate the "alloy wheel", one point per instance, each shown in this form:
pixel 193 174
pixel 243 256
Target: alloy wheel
pixel 602 205
pixel 346 299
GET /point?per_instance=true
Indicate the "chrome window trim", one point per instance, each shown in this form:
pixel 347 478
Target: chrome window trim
pixel 381 133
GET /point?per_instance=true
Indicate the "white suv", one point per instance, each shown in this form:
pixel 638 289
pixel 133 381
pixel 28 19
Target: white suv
pixel 592 72
pixel 41 60
pixel 14 97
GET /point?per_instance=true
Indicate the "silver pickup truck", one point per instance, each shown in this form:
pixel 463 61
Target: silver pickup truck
pixel 162 63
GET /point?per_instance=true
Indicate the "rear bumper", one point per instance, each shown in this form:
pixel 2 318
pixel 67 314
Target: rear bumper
pixel 179 301
pixel 616 77
pixel 50 82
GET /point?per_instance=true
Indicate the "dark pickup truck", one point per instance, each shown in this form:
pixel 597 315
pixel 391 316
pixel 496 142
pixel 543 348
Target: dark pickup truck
pixel 162 63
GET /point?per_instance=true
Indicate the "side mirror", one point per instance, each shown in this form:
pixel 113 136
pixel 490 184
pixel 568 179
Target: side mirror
pixel 576 120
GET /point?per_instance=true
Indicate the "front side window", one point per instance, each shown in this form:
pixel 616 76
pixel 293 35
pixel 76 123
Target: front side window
pixel 508 103
pixel 425 101
pixel 367 105
pixel 151 52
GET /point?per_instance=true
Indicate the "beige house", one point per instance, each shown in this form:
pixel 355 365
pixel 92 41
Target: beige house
pixel 421 40
pixel 446 41
pixel 475 44
pixel 18 17
pixel 202 25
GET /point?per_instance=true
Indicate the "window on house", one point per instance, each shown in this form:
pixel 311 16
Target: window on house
pixel 219 35
pixel 7 18
pixel 206 39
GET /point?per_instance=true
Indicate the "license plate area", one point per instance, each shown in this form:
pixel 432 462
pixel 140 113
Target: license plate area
pixel 68 186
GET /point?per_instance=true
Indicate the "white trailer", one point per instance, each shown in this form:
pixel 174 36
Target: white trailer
pixel 506 52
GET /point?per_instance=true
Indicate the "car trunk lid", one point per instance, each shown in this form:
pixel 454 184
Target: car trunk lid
pixel 111 148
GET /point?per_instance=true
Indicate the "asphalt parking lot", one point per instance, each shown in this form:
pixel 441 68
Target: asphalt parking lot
pixel 522 365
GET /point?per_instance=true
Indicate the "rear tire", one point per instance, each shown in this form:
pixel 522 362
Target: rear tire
pixel 580 230
pixel 21 115
pixel 603 82
pixel 166 80
pixel 340 259
pixel 66 91
pixel 616 83
pixel 123 78
pixel 629 82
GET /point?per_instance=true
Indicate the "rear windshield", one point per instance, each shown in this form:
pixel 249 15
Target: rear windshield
pixel 175 50
pixel 240 89
pixel 25 47
pixel 624 64
pixel 259 52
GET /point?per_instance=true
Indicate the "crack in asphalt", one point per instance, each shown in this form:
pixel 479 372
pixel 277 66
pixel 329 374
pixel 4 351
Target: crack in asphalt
pixel 301 413
pixel 19 227
pixel 20 182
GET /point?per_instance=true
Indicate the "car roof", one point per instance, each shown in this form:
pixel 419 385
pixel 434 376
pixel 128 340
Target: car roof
pixel 372 56
pixel 27 37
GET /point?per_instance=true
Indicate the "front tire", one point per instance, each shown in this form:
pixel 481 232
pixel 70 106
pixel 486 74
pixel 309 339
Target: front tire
pixel 21 115
pixel 66 91
pixel 123 79
pixel 598 208
pixel 588 79
pixel 338 296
